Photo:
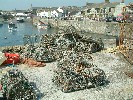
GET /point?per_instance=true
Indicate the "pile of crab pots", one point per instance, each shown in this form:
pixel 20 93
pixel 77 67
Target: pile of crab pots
pixel 47 47
pixel 72 51
pixel 75 72
pixel 16 87
pixel 74 68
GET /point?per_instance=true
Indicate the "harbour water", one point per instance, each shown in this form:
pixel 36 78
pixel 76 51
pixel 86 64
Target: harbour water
pixel 11 38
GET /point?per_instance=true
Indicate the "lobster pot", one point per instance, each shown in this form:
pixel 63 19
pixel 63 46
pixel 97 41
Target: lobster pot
pixel 16 87
pixel 73 79
pixel 47 47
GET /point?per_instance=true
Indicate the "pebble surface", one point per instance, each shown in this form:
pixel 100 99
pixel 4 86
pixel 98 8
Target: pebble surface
pixel 119 86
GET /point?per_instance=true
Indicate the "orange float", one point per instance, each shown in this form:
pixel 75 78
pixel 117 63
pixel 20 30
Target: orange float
pixel 11 58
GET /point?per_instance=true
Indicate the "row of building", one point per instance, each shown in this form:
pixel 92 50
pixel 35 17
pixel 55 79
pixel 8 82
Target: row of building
pixel 91 10
pixel 105 9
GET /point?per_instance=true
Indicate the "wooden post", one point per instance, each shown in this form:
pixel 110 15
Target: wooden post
pixel 121 35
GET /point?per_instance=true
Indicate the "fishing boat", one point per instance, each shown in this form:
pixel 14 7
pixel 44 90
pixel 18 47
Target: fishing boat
pixel 20 19
pixel 12 26
pixel 43 25
pixel 1 24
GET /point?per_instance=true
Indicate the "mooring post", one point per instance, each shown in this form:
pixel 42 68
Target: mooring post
pixel 121 35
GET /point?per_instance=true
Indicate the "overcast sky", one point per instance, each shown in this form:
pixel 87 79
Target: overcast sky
pixel 25 4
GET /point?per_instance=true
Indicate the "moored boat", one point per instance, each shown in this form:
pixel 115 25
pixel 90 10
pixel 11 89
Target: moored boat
pixel 42 26
pixel 1 24
pixel 12 26
pixel 20 19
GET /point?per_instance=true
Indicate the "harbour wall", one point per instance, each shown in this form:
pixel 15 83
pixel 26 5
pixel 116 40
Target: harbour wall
pixel 107 28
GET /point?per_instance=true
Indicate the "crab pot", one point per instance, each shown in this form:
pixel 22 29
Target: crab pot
pixel 75 72
pixel 16 87
pixel 48 46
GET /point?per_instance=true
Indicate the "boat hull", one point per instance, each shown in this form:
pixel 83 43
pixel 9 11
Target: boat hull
pixel 1 25
pixel 12 26
pixel 20 21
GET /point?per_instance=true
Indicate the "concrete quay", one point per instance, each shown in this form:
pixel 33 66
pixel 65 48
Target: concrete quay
pixel 107 28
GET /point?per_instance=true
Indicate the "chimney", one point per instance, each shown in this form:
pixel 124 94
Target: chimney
pixel 106 1
pixel 122 1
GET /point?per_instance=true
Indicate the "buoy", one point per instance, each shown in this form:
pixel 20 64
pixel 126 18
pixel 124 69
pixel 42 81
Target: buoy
pixel 5 37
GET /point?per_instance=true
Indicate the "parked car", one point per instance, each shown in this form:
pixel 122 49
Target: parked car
pixel 64 18
pixel 119 18
pixel 114 19
pixel 108 19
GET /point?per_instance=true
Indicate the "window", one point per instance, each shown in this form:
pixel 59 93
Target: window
pixel 88 11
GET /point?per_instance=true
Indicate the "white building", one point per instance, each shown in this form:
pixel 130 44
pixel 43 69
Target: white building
pixel 56 13
pixel 119 9
pixel 60 10
pixel 49 13
pixel 21 14
pixel 42 14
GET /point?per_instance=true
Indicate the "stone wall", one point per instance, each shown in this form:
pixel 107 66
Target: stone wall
pixel 94 27
pixel 108 28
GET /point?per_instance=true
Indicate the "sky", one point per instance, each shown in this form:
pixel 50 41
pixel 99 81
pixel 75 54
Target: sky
pixel 26 4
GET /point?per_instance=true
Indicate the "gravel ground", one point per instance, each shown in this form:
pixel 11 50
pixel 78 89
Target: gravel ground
pixel 118 87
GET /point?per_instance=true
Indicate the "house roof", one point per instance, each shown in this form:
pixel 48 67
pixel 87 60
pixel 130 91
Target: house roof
pixel 53 8
pixel 71 8
pixel 130 5
pixel 83 8
pixel 57 11
pixel 73 12
pixel 37 7
pixel 48 9
pixel 19 11
pixel 103 5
